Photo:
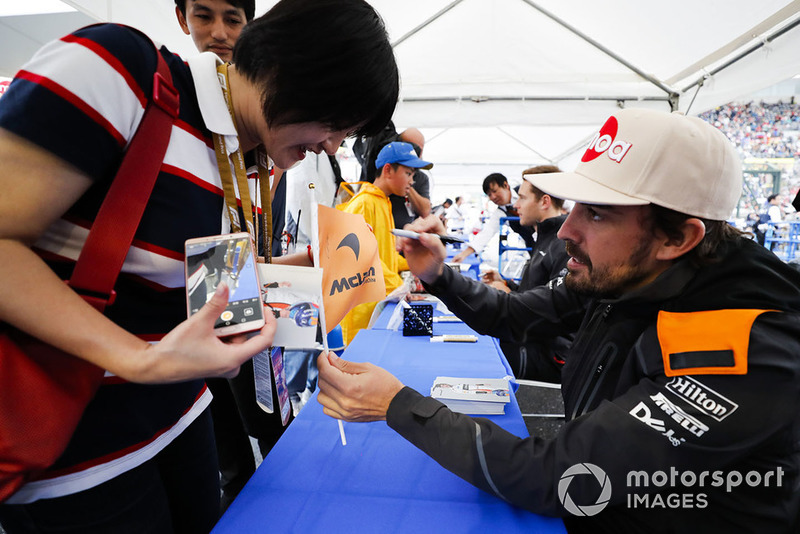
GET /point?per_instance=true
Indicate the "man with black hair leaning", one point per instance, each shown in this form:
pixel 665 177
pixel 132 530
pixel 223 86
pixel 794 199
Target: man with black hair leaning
pixel 142 458
pixel 682 385
pixel 214 26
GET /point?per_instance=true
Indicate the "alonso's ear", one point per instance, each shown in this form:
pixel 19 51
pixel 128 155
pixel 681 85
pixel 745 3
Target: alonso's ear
pixel 692 232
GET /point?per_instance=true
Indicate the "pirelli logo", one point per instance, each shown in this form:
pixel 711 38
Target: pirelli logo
pixel 702 397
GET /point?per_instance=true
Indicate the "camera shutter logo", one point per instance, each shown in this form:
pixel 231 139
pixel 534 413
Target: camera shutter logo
pixel 589 509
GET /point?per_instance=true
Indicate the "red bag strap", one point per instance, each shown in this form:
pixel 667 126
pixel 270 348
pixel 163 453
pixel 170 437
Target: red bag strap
pixel 111 235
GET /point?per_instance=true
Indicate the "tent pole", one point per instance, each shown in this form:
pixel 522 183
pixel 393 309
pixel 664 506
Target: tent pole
pixel 526 145
pixel 582 144
pixel 484 99
pixel 744 54
pixel 441 12
pixel 655 81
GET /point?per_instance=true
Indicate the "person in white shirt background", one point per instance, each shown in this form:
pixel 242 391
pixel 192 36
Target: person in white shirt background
pixel 499 191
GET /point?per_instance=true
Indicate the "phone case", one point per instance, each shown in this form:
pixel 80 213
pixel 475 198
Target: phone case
pixel 228 259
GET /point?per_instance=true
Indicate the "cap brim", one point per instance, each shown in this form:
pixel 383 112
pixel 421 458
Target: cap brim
pixel 577 187
pixel 412 163
pixel 417 164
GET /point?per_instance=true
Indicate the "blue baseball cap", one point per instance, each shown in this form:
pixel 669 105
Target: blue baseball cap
pixel 402 153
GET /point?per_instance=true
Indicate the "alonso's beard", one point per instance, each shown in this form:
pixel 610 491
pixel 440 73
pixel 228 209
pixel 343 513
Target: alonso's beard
pixel 610 280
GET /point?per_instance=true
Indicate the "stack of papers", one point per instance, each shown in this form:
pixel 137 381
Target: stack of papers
pixel 460 267
pixel 472 396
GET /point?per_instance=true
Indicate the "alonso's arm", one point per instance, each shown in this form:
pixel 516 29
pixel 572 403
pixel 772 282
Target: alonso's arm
pixel 652 427
pixel 544 311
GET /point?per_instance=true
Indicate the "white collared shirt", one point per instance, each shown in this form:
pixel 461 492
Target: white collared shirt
pixel 208 85
pixel 491 227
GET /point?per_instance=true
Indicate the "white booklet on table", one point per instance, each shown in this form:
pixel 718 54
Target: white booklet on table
pixel 472 396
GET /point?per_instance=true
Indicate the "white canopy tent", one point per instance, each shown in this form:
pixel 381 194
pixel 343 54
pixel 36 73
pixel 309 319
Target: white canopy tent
pixel 499 85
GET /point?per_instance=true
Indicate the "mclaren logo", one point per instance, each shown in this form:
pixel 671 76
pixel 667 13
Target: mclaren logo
pixel 345 283
pixel 351 240
pixel 351 282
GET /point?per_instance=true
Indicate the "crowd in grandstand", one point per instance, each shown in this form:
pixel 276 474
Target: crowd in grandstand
pixel 764 130
pixel 760 130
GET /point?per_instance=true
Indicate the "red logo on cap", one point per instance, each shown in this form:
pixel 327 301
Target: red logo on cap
pixel 605 141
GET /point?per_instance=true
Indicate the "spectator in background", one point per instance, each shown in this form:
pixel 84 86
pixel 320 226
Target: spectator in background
pixel 763 130
pixel 456 218
pixel 754 225
pixel 775 208
pixel 397 162
pixel 441 209
pixel 417 202
pixel 758 129
pixel 214 25
pixel 499 191
pixel 366 150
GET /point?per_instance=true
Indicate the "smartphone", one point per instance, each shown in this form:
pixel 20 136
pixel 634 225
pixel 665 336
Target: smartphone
pixel 230 259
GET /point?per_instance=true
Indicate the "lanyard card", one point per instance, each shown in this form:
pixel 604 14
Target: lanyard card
pixel 263 380
pixel 280 384
pixel 266 364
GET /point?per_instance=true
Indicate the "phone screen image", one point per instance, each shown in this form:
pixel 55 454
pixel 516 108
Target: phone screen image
pixel 225 259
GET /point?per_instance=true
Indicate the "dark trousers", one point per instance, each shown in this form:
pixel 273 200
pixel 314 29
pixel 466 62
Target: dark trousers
pixel 236 460
pixel 237 417
pixel 177 491
pixel 267 428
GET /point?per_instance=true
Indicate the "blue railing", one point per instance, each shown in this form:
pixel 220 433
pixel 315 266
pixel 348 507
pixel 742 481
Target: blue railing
pixel 502 255
pixel 783 238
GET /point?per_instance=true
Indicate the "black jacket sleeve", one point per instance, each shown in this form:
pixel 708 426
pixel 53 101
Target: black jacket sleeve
pixel 545 311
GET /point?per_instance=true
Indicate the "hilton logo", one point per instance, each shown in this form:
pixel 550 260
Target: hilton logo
pixel 702 397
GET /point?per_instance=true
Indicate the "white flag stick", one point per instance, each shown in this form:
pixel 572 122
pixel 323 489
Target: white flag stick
pixel 315 246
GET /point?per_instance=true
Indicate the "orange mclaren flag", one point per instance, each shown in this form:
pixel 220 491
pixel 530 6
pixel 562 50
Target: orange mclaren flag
pixel 351 266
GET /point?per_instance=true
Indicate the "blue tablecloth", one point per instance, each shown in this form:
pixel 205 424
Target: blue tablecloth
pixel 379 482
pixel 443 328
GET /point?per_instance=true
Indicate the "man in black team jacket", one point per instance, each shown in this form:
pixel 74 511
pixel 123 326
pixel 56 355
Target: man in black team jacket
pixel 682 386
pixel 537 359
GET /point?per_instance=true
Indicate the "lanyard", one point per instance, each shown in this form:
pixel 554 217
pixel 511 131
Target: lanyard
pixel 239 177
pixel 264 192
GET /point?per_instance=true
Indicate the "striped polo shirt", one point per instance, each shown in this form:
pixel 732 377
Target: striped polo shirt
pixel 82 98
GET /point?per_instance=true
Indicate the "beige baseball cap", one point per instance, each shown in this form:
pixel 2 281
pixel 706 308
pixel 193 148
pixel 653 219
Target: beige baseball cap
pixel 642 156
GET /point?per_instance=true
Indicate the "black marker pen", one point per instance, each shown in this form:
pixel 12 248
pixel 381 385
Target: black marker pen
pixel 414 235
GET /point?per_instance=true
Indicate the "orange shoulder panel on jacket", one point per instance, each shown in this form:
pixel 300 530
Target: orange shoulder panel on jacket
pixel 711 342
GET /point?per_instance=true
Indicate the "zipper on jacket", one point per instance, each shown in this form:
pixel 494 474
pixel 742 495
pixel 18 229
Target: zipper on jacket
pixel 594 371
pixel 602 364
